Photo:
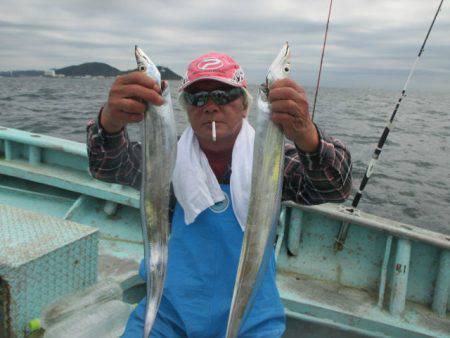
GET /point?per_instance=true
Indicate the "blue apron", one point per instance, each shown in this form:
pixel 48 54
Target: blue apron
pixel 201 271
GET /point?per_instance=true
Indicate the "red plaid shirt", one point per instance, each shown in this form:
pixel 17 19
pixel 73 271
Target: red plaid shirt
pixel 309 178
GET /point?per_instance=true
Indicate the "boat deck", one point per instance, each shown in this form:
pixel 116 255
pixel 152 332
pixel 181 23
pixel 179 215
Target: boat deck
pixel 331 303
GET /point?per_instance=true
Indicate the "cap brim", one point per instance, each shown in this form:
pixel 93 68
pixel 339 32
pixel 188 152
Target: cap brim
pixel 214 78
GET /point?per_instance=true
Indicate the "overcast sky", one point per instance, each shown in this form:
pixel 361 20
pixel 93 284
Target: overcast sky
pixel 370 43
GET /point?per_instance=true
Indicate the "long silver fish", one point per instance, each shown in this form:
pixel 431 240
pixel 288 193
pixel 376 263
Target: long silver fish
pixel 265 201
pixel 159 142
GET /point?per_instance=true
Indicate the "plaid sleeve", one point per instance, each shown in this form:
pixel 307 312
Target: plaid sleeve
pixel 112 157
pixel 320 177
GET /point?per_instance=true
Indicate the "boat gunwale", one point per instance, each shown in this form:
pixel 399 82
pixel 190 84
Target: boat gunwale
pixel 357 217
pixel 43 141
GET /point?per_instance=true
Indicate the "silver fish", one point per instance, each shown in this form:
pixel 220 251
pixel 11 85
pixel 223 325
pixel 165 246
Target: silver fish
pixel 265 201
pixel 159 142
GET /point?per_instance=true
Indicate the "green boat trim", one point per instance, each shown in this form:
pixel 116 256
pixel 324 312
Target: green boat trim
pixel 390 280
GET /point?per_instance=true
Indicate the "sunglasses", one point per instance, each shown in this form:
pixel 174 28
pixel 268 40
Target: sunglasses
pixel 219 96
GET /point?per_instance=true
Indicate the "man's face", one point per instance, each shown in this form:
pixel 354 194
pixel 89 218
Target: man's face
pixel 228 117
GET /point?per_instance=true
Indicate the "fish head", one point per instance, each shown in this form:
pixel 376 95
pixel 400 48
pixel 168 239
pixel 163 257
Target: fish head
pixel 280 67
pixel 145 64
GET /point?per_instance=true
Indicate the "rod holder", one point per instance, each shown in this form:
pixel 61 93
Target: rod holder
pixel 341 237
pixel 400 277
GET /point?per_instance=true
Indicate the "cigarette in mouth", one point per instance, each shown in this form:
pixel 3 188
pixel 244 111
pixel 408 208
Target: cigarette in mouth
pixel 214 131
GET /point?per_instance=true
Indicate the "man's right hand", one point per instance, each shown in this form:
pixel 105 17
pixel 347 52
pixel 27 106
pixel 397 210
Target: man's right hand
pixel 127 101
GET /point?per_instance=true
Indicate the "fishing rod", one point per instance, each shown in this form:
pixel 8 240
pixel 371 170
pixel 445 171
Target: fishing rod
pixel 342 235
pixel 321 60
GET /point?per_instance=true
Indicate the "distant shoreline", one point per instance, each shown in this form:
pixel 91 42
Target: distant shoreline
pixel 85 70
pixel 67 77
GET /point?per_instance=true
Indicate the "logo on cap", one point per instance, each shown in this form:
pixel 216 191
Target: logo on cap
pixel 209 64
pixel 238 76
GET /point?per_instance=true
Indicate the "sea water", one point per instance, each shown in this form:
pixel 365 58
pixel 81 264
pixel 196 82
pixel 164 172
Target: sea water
pixel 411 182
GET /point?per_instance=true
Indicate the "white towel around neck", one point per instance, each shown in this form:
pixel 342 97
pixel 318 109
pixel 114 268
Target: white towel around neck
pixel 195 185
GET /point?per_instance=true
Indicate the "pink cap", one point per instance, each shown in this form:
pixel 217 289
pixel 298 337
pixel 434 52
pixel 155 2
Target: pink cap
pixel 214 66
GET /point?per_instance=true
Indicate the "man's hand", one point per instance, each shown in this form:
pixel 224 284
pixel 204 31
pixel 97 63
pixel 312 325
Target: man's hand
pixel 289 107
pixel 127 101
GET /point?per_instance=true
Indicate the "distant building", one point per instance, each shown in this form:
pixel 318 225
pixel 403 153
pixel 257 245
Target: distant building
pixel 50 73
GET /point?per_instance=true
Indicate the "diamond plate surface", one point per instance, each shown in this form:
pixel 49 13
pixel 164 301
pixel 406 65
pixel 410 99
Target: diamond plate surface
pixel 41 259
pixel 26 235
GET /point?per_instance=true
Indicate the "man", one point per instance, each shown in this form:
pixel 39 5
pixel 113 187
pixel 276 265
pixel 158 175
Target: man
pixel 204 249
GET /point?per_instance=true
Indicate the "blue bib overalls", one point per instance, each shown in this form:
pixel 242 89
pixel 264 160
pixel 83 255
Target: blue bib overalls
pixel 202 266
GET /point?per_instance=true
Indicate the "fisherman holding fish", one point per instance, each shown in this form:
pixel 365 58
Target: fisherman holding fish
pixel 211 188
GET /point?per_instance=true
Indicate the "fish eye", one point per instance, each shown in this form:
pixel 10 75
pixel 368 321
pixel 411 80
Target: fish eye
pixel 286 69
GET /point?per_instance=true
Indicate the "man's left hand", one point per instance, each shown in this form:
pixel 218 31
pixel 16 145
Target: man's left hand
pixel 289 107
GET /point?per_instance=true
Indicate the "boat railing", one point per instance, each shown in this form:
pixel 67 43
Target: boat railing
pixel 59 163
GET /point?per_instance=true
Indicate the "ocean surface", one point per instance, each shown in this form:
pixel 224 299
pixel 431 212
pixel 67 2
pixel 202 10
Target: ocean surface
pixel 411 183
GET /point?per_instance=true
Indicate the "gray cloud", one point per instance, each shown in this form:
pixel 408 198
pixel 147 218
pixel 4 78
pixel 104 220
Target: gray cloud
pixel 372 43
